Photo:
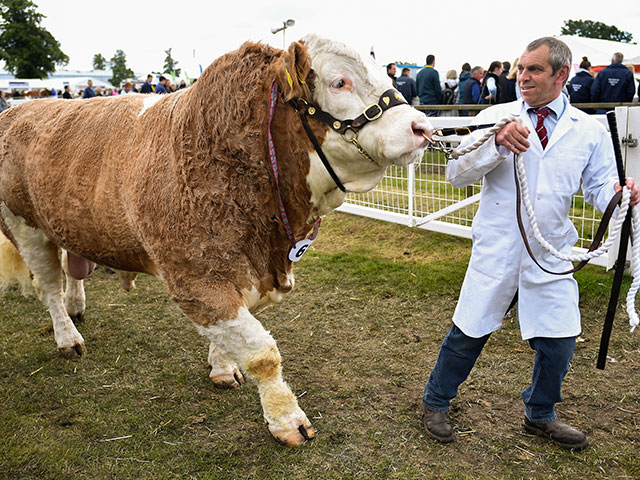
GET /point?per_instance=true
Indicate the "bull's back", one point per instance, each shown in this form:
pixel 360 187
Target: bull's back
pixel 63 168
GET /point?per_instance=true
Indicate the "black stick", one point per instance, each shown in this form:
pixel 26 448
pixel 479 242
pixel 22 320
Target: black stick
pixel 622 251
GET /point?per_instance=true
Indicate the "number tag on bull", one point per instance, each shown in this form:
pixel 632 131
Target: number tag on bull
pixel 301 247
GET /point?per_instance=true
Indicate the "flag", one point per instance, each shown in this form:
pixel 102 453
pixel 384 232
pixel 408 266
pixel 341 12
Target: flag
pixel 373 54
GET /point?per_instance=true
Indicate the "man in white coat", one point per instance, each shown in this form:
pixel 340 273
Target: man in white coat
pixel 565 147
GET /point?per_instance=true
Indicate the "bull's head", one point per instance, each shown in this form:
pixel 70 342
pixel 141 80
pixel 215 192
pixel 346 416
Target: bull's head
pixel 345 87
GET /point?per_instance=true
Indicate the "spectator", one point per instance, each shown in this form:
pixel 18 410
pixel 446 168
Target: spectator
pixel 450 93
pixel 465 74
pixel 613 84
pixel 407 85
pixel 127 89
pixel 182 85
pixel 3 102
pixel 161 86
pixel 391 71
pixel 491 84
pixel 472 89
pixel 502 81
pixel 428 83
pixel 580 85
pixel 67 93
pixel 89 92
pixel 147 87
pixel 510 92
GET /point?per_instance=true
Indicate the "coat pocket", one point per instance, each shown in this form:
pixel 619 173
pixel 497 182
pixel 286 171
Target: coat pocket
pixel 491 247
pixel 568 168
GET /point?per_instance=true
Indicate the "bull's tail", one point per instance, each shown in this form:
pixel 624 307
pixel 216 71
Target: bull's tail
pixel 12 267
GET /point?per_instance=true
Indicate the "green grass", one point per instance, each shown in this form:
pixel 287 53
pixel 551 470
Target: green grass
pixel 358 335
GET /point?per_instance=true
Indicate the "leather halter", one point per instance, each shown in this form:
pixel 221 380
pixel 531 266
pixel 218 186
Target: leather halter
pixel 349 129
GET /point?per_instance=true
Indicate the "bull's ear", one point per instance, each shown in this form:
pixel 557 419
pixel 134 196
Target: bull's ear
pixel 292 70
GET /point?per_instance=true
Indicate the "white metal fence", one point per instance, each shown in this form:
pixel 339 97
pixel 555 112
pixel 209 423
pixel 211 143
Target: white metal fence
pixel 420 196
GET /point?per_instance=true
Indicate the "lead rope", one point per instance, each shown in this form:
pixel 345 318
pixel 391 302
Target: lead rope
pixel 614 230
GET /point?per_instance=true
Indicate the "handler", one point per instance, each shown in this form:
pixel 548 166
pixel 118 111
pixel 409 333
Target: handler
pixel 569 146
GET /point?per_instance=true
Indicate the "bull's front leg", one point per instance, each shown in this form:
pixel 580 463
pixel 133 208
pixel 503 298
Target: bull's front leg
pixel 244 340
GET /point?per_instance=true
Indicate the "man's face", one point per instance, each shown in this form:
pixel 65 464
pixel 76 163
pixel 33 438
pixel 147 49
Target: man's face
pixel 478 75
pixel 392 70
pixel 538 86
pixel 90 83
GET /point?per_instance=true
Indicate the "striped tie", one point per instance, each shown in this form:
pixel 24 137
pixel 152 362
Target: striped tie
pixel 540 130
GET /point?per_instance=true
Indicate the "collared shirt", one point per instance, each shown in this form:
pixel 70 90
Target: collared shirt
pixel 557 107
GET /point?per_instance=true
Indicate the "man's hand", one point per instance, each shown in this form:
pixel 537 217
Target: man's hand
pixel 514 136
pixel 631 184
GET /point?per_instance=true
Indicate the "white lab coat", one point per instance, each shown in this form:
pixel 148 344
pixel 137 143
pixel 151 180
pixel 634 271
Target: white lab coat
pixel 579 148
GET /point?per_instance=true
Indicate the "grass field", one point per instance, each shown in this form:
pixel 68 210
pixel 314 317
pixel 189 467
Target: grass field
pixel 358 336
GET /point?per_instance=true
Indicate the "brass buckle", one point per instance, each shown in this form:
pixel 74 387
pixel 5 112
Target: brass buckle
pixel 373 116
pixel 463 131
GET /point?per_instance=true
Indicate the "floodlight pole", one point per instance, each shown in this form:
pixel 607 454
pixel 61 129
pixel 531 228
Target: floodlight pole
pixel 286 24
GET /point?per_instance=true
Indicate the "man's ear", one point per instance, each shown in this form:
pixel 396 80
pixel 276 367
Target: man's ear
pixel 563 74
pixel 292 70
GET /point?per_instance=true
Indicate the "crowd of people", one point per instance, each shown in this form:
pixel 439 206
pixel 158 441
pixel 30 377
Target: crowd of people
pixel 497 84
pixel 164 85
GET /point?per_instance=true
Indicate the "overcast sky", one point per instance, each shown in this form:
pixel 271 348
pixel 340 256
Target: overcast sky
pixel 456 31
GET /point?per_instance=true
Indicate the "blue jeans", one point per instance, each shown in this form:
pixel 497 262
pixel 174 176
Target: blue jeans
pixel 459 353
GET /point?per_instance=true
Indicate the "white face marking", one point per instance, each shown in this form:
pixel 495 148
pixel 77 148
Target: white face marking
pixel 346 85
pixel 148 102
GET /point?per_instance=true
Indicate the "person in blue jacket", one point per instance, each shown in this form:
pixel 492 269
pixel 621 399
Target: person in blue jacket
pixel 613 84
pixel 579 86
pixel 428 83
pixel 465 74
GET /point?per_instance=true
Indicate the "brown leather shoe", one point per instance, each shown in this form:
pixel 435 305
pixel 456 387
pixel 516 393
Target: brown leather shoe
pixel 561 433
pixel 437 425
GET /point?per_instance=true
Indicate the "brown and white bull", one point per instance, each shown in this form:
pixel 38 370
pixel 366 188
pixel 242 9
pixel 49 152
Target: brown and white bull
pixel 181 187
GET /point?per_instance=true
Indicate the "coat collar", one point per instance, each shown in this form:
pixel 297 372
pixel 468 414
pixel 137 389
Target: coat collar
pixel 565 123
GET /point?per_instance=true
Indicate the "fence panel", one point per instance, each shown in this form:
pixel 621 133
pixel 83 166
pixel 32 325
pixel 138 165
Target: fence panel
pixel 420 196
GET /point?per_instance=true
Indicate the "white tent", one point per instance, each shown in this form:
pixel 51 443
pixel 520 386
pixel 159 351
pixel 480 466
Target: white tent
pixel 599 52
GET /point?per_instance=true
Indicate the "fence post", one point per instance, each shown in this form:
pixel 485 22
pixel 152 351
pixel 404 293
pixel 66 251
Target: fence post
pixel 411 180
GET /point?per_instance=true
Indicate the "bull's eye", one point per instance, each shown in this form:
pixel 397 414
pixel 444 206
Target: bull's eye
pixel 338 84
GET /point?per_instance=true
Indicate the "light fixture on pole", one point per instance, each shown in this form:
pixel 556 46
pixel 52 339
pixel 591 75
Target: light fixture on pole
pixel 286 24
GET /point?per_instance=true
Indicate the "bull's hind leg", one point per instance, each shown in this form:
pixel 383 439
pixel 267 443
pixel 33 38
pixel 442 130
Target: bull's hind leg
pixel 74 296
pixel 224 372
pixel 245 341
pixel 42 258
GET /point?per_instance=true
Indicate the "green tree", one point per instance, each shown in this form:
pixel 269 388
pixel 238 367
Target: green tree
pixel 170 64
pixel 99 62
pixel 27 49
pixel 591 29
pixel 119 68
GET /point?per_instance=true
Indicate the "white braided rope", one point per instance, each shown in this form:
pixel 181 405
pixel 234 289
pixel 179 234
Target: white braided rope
pixel 614 228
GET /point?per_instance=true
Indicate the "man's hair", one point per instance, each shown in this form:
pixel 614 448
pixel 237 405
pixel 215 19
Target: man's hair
pixel 506 66
pixel 406 70
pixel 430 59
pixel 390 65
pixel 559 53
pixel 618 57
pixel 149 76
pixel 475 70
pixel 466 67
pixel 161 78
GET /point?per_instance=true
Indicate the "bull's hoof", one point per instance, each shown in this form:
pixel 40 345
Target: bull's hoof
pixel 77 318
pixel 75 351
pixel 227 380
pixel 294 438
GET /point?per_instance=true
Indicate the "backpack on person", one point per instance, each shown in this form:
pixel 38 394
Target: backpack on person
pixel 449 94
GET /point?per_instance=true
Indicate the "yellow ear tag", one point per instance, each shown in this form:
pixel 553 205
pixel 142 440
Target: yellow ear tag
pixel 289 79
